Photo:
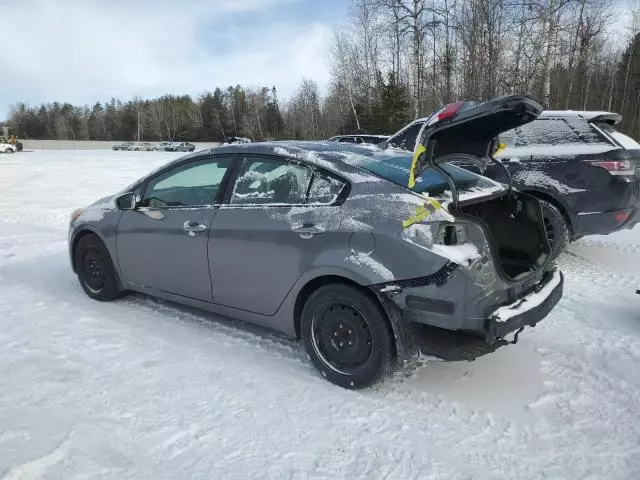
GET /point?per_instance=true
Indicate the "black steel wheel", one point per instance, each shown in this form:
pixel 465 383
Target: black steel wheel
pixel 555 227
pixel 95 269
pixel 347 336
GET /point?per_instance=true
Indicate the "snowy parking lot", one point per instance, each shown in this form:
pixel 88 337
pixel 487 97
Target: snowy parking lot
pixel 144 389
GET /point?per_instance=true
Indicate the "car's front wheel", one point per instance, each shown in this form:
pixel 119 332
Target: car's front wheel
pixel 347 336
pixel 95 269
pixel 555 227
pixel 8 150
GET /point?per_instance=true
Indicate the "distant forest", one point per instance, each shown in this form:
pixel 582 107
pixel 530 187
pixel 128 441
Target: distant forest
pixel 394 60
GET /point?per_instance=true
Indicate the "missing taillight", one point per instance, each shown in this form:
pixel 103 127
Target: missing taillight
pixel 452 235
pixel 616 167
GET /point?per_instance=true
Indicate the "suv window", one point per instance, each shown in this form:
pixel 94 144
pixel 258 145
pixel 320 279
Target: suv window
pixel 324 189
pixel 193 184
pixel 553 131
pixel 262 181
pixel 547 132
pixel 407 139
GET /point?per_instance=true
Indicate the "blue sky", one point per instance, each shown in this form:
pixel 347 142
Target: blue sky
pixel 83 51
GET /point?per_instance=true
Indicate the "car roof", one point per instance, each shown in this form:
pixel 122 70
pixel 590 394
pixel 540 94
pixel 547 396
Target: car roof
pixel 338 157
pixel 588 115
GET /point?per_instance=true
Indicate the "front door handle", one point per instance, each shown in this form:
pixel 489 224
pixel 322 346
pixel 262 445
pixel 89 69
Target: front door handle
pixel 193 228
pixel 308 230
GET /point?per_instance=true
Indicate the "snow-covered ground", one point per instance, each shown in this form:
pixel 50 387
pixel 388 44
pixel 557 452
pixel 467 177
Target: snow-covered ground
pixel 143 389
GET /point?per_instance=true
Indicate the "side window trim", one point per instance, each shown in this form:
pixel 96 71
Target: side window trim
pixel 234 171
pixel 142 188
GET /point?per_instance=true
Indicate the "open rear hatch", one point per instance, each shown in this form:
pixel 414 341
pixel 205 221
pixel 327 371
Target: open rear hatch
pixel 512 221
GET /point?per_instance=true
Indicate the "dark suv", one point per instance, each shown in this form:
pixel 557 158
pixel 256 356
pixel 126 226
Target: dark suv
pixel 586 173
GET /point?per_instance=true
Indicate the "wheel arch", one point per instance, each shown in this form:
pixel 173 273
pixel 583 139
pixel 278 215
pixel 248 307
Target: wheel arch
pixel 75 239
pixel 541 195
pixel 402 339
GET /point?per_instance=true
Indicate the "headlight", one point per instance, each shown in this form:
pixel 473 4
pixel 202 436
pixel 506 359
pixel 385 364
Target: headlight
pixel 76 213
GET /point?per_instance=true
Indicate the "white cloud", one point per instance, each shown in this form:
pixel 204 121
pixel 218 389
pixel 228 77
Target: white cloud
pixel 87 51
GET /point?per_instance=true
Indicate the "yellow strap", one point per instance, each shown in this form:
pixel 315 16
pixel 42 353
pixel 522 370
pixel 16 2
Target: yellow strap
pixel 434 203
pixel 501 146
pixel 422 212
pixel 414 162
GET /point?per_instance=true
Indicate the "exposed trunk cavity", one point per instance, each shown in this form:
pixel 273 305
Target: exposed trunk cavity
pixel 514 228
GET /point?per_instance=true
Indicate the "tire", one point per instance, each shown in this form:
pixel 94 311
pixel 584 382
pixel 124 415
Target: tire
pixel 8 150
pixel 556 228
pixel 95 269
pixel 347 336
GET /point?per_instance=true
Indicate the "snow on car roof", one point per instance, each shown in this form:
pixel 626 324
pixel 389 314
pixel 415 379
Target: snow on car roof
pixel 586 114
pixel 338 157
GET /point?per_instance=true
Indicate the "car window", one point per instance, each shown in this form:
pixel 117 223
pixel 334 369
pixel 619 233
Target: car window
pixel 547 132
pixel 347 140
pixel 271 182
pixel 509 138
pixel 188 185
pixel 587 132
pixel 324 189
pixel 396 170
pixel 407 139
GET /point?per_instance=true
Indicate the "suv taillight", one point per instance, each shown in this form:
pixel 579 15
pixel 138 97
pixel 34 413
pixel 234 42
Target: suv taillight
pixel 617 167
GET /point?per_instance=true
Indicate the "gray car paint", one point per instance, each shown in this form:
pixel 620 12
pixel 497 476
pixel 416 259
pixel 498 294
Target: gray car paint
pixel 259 264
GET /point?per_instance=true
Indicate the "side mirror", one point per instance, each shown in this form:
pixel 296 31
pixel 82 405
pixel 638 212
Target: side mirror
pixel 126 201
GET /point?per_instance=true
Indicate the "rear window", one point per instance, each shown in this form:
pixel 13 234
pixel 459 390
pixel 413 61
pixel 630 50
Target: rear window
pixel 407 139
pixel 396 170
pixel 554 131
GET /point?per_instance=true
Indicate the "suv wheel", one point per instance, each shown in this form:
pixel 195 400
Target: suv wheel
pixel 555 227
pixel 347 336
pixel 95 269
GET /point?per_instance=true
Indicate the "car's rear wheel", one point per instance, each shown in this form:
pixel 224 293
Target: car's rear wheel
pixel 95 269
pixel 347 336
pixel 555 227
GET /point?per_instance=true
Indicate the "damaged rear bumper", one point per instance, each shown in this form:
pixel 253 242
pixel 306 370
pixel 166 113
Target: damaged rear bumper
pixel 450 301
pixel 528 310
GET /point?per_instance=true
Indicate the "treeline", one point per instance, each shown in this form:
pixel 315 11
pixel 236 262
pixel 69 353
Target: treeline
pixel 566 53
pixel 392 61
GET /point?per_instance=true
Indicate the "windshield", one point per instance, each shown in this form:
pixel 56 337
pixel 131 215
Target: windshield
pixel 396 170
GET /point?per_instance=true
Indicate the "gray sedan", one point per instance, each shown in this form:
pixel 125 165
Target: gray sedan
pixel 326 243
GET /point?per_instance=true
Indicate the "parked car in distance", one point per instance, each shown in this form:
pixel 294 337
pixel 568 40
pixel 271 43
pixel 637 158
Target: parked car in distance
pixel 123 146
pixel 142 146
pixel 180 147
pixel 328 243
pixel 585 172
pixel 232 140
pixel 162 146
pixel 8 147
pixel 372 139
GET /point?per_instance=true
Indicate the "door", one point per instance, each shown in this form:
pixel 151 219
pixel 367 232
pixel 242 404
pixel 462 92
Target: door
pixel 281 215
pixel 162 244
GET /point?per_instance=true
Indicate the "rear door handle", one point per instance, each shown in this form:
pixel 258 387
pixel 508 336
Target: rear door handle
pixel 193 228
pixel 308 230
